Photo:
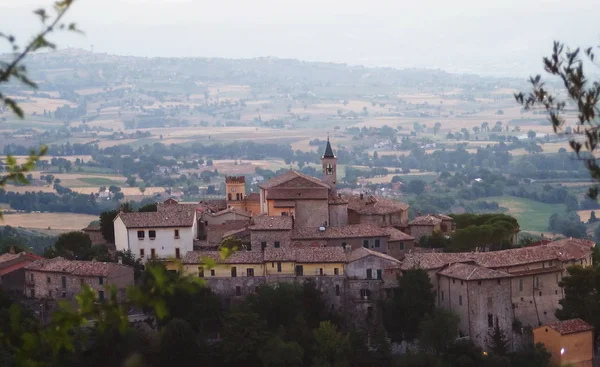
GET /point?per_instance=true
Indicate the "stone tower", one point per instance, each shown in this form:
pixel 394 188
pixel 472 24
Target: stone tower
pixel 329 163
pixel 236 191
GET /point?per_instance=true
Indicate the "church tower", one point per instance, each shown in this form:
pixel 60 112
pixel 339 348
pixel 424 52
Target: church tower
pixel 329 163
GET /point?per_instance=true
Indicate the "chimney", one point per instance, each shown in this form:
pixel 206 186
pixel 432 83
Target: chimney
pixel 361 196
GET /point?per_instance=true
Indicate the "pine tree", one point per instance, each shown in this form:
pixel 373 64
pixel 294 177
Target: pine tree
pixel 497 341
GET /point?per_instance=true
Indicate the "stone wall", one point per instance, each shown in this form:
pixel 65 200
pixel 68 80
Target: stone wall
pixel 256 237
pixel 338 215
pixel 311 213
pixel 399 249
pixel 46 285
pixel 420 231
pixel 358 269
pixel 535 301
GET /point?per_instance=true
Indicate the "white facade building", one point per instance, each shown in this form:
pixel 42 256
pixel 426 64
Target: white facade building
pixel 168 233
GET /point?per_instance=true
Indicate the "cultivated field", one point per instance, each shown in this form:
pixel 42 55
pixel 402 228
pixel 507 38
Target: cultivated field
pixel 54 221
pixel 532 215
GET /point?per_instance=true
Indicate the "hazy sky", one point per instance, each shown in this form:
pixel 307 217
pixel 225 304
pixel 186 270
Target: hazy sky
pixel 497 37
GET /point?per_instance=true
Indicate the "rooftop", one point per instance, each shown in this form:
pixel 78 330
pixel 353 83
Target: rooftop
pixel 164 218
pixel 238 257
pixel 570 326
pixel 397 235
pixel 319 254
pixel 264 222
pixel 349 231
pixel 472 272
pixel 290 175
pixel 563 250
pixel 328 151
pixel 362 252
pixel 374 205
pixel 426 220
pixel 74 267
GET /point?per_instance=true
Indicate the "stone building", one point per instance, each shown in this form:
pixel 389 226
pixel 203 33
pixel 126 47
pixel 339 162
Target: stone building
pixel 235 186
pixel 59 278
pixel 369 209
pixel 12 272
pixel 526 279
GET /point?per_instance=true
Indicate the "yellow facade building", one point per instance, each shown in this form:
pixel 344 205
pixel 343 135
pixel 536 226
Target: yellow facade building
pixel 570 342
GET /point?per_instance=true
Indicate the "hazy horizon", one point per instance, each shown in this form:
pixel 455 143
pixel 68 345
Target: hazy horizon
pixel 499 38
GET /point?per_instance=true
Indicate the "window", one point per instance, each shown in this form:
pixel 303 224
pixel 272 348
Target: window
pixel 279 267
pixel 379 274
pixel 498 281
pixel 365 294
pixel 329 169
pixel 250 272
pixel 229 196
pixel 442 295
pixel 152 253
pixel 81 282
pixel 48 280
pixel 100 280
pixel 32 293
pixel 284 214
pixel 263 245
pixel 366 243
pixel 233 272
pixel 321 271
pixel 200 272
pixel 276 244
pixel 142 252
pixel 238 196
pixel 540 293
pixel 64 294
pixel 31 277
pixel 344 244
pixel 369 312
pixel 537 281
pixel 490 320
pixel 369 273
pixel 337 289
pixel 479 282
pixel 453 281
pixel 460 300
pixel 176 233
pixel 64 281
pixel 377 243
pixel 141 235
pixel 336 271
pixel 401 245
pixel 212 272
pixel 101 296
pixel 152 235
pixel 238 291
pixel 520 285
pixel 461 282
pixel 177 253
pixel 299 270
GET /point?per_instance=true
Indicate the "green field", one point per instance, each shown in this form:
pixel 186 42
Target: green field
pixel 532 215
pixel 100 181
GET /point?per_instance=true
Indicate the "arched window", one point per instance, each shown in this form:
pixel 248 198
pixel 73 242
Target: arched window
pixel 329 169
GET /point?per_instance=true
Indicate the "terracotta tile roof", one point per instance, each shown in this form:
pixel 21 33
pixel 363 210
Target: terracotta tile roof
pixel 301 193
pixel 230 210
pixel 279 254
pixel 370 205
pixel 319 254
pixel 336 200
pixel 570 326
pixel 8 257
pixel 216 232
pixel 213 204
pixel 290 175
pixel 253 196
pixel 159 219
pixel 166 207
pixel 264 222
pixel 238 257
pixel 362 252
pixel 472 272
pixel 397 235
pixel 75 267
pixel 563 250
pixel 443 216
pixel 426 220
pixel 349 231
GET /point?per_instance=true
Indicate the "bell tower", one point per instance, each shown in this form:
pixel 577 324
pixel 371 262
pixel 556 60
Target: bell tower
pixel 329 163
pixel 236 191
